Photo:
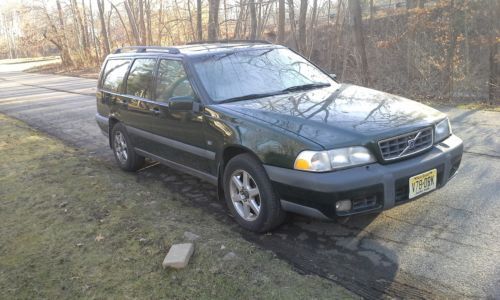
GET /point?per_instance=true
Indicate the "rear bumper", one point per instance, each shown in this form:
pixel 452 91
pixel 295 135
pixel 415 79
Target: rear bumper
pixel 371 188
pixel 103 123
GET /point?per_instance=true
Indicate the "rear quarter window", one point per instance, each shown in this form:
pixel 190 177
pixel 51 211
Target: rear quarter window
pixel 114 72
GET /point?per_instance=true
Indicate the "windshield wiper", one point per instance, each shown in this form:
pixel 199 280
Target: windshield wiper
pixel 251 96
pixel 262 95
pixel 304 87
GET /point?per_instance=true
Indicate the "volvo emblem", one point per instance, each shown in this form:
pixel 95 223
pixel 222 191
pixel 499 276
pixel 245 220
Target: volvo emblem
pixel 411 143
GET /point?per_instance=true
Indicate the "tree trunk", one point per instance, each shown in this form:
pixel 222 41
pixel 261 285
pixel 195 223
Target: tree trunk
pixel 253 20
pixel 85 24
pixel 372 12
pixel 122 22
pixel 149 30
pixel 494 57
pixel 357 36
pixel 281 21
pixel 160 24
pixel 410 41
pixel 240 20
pixel 92 30
pixel 213 20
pixel 302 25
pixel 191 25
pixel 450 53
pixel 225 20
pixel 493 78
pixel 291 12
pixel 63 42
pixel 79 22
pixel 104 32
pixel 133 23
pixel 314 15
pixel 142 23
pixel 199 24
pixel 411 4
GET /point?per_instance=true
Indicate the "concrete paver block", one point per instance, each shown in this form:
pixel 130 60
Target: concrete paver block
pixel 178 256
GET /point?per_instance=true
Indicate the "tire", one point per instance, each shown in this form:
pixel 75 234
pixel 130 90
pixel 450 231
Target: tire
pixel 125 156
pixel 241 198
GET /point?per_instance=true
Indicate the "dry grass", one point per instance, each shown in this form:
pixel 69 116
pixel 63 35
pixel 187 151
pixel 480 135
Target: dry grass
pixel 480 106
pixel 55 201
pixel 59 69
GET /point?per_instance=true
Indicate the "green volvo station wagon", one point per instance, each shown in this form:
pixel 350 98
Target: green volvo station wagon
pixel 274 132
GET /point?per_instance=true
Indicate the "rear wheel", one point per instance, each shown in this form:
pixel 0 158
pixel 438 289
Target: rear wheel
pixel 123 150
pixel 249 194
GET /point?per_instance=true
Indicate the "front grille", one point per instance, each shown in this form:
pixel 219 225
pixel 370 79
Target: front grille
pixel 406 144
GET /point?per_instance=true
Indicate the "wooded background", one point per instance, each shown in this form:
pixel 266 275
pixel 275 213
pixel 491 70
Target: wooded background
pixel 423 49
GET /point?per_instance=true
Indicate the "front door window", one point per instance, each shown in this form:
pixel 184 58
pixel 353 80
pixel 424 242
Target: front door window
pixel 172 81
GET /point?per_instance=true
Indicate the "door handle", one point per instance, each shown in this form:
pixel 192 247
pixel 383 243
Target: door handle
pixel 155 111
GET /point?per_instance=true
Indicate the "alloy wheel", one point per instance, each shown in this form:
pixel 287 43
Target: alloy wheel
pixel 245 195
pixel 121 147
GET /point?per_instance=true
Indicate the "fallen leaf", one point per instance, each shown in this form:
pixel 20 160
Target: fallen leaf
pixel 99 238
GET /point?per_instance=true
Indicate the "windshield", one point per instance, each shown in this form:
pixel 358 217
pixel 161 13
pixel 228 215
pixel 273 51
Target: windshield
pixel 257 73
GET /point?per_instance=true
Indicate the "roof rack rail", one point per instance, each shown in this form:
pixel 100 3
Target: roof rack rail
pixel 142 49
pixel 230 41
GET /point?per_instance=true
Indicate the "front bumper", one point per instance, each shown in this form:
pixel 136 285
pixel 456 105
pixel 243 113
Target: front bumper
pixel 371 188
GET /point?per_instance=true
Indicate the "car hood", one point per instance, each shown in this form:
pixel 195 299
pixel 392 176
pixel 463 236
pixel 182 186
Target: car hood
pixel 340 115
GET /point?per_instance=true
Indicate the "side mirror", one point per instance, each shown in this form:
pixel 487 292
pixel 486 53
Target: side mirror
pixel 333 76
pixel 182 103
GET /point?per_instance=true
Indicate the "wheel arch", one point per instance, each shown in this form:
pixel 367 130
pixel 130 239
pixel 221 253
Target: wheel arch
pixel 112 122
pixel 228 153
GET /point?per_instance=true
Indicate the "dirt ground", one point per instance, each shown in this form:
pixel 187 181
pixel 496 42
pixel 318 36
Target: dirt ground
pixel 58 69
pixel 72 227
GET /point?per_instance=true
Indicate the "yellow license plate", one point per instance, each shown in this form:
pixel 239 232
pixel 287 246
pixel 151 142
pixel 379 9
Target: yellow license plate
pixel 422 183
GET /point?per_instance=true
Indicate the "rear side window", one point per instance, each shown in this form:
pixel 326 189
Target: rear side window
pixel 113 74
pixel 140 78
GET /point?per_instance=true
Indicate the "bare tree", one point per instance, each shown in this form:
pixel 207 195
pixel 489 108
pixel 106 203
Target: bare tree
pixel 430 50
pixel 281 21
pixel 238 28
pixel 314 16
pixel 104 31
pixel 199 24
pixel 149 30
pixel 302 25
pixel 142 23
pixel 62 35
pixel 56 35
pixel 450 52
pixel 494 57
pixel 213 19
pixel 293 27
pixel 80 25
pixel 94 39
pixel 253 20
pixel 122 22
pixel 372 12
pixel 132 21
pixel 357 37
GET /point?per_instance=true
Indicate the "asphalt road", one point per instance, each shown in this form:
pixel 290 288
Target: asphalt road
pixel 446 244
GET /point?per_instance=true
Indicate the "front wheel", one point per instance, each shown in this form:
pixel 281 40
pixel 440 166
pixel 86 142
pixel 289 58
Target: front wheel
pixel 249 194
pixel 125 155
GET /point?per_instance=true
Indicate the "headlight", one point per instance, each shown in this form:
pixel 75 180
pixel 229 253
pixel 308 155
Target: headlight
pixel 322 161
pixel 442 130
